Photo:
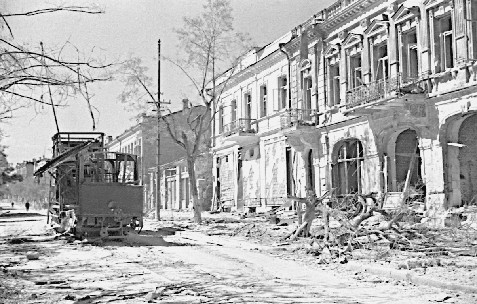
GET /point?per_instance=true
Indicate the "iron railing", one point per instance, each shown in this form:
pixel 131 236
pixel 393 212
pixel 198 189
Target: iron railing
pixel 293 117
pixel 241 125
pixel 383 88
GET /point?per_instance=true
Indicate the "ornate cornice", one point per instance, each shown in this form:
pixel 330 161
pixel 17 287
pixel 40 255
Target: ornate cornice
pixel 347 14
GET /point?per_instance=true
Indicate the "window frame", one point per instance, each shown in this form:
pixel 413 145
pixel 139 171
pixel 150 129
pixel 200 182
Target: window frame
pixel 341 166
pixel 263 100
pixel 282 92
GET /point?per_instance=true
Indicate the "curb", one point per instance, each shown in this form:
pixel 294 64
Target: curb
pixel 408 276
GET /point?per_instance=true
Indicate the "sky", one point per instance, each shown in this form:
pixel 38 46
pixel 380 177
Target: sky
pixel 128 27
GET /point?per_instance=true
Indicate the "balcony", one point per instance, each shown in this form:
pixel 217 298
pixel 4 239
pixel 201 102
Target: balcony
pixel 242 131
pixel 298 125
pixel 298 118
pixel 385 93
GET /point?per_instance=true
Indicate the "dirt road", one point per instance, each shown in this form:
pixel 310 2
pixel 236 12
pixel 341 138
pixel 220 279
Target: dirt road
pixel 188 267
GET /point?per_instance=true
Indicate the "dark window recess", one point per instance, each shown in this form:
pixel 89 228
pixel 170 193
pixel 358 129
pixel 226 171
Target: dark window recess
pixel 290 179
pixel 311 171
pixel 334 83
pixel 233 109
pixel 263 101
pixel 346 170
pixel 283 92
pixel 407 148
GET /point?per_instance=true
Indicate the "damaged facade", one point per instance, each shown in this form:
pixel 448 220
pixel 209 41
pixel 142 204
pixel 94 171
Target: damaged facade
pixel 361 97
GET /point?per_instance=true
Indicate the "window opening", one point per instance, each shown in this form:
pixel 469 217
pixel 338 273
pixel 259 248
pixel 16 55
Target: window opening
pixel 355 75
pixel 221 119
pixel 307 92
pixel 311 171
pixel 233 110
pixel 248 110
pixel 382 63
pixel 407 148
pixel 289 163
pixel 283 92
pixel 263 101
pixel 444 50
pixel 248 106
pixel 412 60
pixel 346 171
pixel 334 79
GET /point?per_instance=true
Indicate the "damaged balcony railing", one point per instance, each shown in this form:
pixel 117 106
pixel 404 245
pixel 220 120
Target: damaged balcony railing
pixel 383 88
pixel 303 117
pixel 241 125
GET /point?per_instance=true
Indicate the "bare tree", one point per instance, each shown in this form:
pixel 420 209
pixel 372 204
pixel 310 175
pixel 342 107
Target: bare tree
pixel 32 74
pixel 211 50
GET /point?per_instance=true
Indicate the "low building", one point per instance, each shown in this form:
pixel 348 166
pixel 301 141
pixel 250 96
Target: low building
pixel 27 168
pixel 141 140
pixel 175 183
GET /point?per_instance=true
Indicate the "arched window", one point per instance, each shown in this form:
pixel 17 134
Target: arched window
pixel 346 169
pixel 408 161
pixel 468 161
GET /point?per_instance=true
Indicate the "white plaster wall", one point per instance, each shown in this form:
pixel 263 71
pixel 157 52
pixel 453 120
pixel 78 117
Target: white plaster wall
pixel 275 170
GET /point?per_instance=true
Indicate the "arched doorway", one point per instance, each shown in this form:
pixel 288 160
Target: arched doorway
pixel 407 160
pixel 468 160
pixel 346 167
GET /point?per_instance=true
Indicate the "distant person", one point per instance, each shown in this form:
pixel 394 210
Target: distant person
pixel 27 206
pixel 13 204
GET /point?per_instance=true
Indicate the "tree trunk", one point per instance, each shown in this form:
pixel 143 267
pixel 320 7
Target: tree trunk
pixel 366 212
pixel 196 203
pixel 309 212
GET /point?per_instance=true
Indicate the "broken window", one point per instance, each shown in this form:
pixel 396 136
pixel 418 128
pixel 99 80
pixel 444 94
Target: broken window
pixel 346 169
pixel 263 101
pixel 408 160
pixel 283 92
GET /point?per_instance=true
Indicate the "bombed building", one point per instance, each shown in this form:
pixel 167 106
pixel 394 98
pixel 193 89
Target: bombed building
pixel 364 97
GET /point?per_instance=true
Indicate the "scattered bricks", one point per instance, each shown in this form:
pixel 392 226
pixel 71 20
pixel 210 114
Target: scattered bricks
pixel 420 263
pixel 70 298
pixel 453 220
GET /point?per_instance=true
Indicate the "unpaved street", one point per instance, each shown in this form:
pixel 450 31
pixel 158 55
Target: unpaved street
pixel 187 267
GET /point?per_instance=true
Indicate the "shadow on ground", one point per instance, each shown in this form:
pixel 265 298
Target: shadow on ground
pixel 144 238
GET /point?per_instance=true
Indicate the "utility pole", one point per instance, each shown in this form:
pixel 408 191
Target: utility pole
pixel 158 105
